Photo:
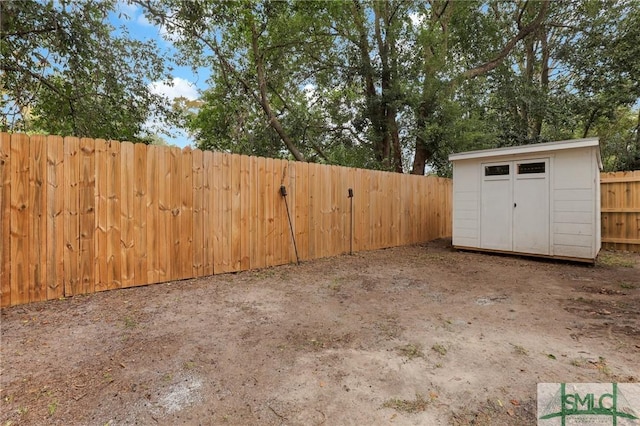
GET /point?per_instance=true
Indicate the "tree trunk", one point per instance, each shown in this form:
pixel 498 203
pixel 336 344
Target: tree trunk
pixel 396 150
pixel 423 153
pixel 420 158
pixel 373 103
pixel 589 123
pixel 389 125
pixel 638 134
pixel 544 82
pixel 264 99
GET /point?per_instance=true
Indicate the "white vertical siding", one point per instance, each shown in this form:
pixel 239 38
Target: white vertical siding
pixel 574 199
pixel 466 199
pixel 595 160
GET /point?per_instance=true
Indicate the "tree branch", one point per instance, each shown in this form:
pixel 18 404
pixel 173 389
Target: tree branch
pixel 522 10
pixel 9 68
pixel 27 32
pixel 493 63
pixel 264 100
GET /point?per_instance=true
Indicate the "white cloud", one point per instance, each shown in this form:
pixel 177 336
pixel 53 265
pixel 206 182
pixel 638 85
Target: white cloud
pixel 416 19
pixel 127 8
pixel 310 91
pixel 178 87
pixel 168 35
pixel 143 21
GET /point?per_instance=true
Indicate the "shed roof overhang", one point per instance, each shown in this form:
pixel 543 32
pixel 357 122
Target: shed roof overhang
pixel 530 149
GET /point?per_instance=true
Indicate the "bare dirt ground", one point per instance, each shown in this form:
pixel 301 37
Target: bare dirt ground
pixel 410 335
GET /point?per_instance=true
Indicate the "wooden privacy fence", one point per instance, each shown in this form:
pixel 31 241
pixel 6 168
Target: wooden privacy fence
pixel 620 194
pixel 85 215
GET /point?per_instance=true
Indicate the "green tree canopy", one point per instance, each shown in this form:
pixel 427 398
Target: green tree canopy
pixel 66 70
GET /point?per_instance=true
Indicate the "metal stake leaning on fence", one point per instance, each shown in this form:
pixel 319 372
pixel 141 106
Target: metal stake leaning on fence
pixel 283 192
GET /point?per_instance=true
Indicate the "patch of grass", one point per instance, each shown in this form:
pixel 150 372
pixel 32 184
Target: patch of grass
pixel 439 349
pixel 108 377
pixel 602 366
pixel 53 406
pixel 189 365
pixel 264 274
pixel 446 323
pixel 411 351
pixel 23 410
pixel 129 322
pixel 316 343
pixel 390 327
pixel 46 392
pixel 627 286
pixel 579 362
pixel 520 350
pixel 408 405
pixel 616 260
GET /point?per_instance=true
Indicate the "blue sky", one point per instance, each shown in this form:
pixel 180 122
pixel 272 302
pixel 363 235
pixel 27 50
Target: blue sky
pixel 185 82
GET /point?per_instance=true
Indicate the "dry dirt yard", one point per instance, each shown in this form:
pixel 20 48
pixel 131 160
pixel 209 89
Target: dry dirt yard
pixel 410 335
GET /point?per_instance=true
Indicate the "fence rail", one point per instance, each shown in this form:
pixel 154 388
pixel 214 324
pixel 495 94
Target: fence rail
pixel 620 194
pixel 84 215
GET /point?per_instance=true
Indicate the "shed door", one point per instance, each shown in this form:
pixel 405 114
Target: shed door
pixel 531 206
pixel 497 206
pixel 515 206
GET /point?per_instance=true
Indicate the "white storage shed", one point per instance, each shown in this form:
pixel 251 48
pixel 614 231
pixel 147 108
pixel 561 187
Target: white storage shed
pixel 540 199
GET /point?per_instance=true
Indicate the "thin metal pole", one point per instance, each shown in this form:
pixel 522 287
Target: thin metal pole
pixel 350 192
pixel 351 229
pixel 283 192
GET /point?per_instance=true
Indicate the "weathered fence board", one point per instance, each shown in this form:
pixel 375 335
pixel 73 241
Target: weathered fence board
pixel 197 189
pixel 84 215
pixel 208 202
pixel 37 218
pixel 5 211
pixel 55 218
pixel 113 255
pixel 620 195
pixel 19 235
pixel 140 214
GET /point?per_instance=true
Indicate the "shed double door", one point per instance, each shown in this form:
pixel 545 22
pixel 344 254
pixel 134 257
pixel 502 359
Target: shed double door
pixel 515 206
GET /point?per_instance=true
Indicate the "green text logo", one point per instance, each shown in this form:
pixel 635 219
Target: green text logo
pixel 586 403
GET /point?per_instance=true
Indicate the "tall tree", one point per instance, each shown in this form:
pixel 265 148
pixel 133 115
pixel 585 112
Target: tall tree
pixel 462 41
pixel 66 71
pixel 574 77
pixel 247 46
pixel 398 84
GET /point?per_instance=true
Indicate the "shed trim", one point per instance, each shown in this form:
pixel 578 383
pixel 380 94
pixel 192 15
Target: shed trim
pixel 528 149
